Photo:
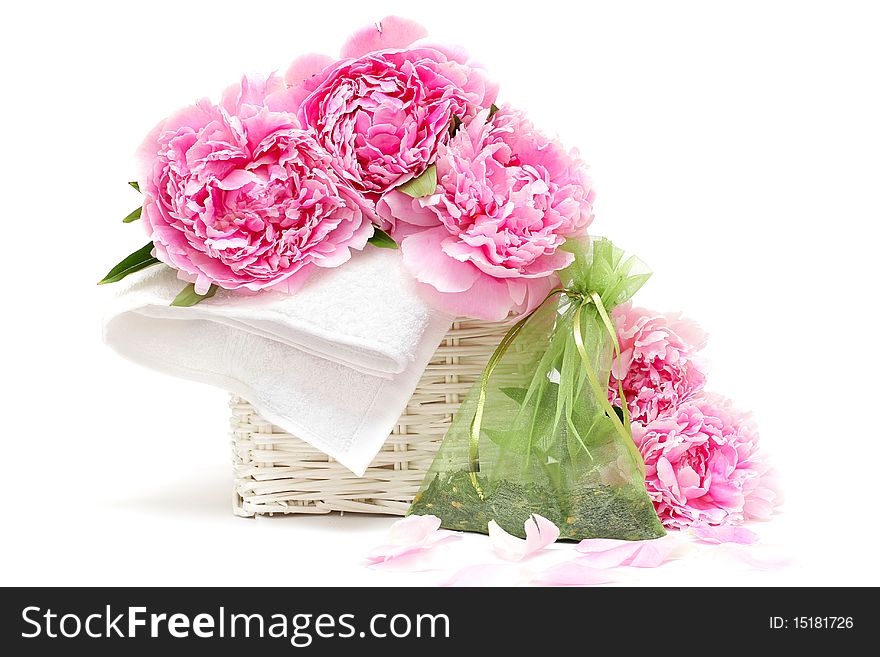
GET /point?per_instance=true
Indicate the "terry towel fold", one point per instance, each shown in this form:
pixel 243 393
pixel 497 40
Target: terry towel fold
pixel 333 364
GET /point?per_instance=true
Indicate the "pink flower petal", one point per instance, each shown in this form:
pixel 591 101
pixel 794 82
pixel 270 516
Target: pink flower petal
pixel 411 560
pixel 724 534
pixel 249 91
pixel 487 574
pixel 756 507
pixel 401 212
pixel 236 179
pixel 305 67
pixel 536 290
pixel 610 553
pixel 394 551
pixel 424 258
pixel 611 558
pixel 540 533
pixel 486 299
pixel 411 541
pixel 596 545
pixel 572 573
pixel 539 268
pixel 505 545
pixel 413 529
pixel 454 52
pixel 390 32
pixel 666 476
pixel 688 330
pixel 650 555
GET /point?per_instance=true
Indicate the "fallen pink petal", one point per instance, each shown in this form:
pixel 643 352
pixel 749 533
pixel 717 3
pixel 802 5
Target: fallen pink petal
pixel 540 533
pixel 724 534
pixel 409 561
pixel 414 529
pixel 411 541
pixel 572 573
pixel 610 553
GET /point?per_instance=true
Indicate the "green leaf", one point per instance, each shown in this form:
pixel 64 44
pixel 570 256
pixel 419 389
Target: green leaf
pixel 454 125
pixel 382 239
pixel 133 216
pixel 618 411
pixel 138 260
pixel 493 109
pixel 134 184
pixel 188 296
pixel 424 185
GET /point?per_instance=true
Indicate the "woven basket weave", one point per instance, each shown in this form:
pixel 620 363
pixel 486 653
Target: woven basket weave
pixel 276 472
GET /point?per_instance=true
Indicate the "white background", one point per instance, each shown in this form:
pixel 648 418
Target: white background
pixel 735 147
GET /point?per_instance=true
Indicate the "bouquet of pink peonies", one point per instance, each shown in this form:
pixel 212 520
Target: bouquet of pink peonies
pixel 703 464
pixel 401 143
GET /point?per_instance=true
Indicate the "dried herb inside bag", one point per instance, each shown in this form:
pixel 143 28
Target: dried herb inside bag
pixel 537 434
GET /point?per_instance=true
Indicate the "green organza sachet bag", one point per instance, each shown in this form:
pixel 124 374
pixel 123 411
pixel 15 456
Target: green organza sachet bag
pixel 537 435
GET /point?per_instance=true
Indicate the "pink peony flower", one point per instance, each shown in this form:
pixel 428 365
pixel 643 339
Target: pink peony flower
pixel 242 197
pixel 703 465
pixel 659 364
pixel 384 109
pixel 487 241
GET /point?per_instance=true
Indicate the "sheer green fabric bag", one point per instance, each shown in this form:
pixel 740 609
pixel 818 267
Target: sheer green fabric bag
pixel 537 435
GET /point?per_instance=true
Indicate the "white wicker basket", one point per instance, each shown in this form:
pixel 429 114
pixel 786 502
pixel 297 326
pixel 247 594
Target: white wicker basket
pixel 276 472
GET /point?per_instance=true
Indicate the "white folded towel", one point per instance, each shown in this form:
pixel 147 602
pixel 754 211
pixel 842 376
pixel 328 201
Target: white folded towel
pixel 334 364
